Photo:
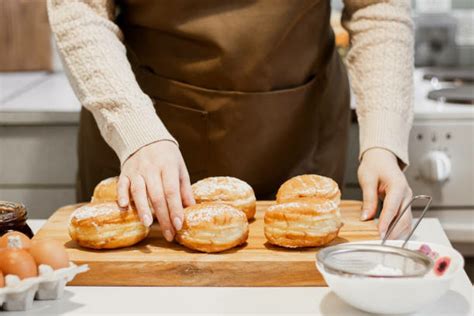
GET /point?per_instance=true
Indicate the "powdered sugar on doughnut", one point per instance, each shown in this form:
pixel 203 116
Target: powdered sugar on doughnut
pixel 311 186
pixel 316 184
pixel 94 210
pixel 323 206
pixel 221 188
pixel 243 202
pixel 209 212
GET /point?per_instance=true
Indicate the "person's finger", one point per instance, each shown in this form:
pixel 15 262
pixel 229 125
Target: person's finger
pixel 370 198
pixel 404 225
pixel 157 197
pixel 139 194
pixel 123 189
pixel 187 196
pixel 171 187
pixel 391 206
pixel 381 191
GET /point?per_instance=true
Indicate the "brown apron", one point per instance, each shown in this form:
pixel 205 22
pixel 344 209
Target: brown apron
pixel 252 89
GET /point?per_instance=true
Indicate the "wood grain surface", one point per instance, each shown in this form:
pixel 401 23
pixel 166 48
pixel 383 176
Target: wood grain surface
pixel 155 262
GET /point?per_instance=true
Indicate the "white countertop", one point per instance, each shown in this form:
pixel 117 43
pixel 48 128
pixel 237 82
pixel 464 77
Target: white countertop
pixel 37 91
pixel 216 300
pixel 42 97
pixel 37 98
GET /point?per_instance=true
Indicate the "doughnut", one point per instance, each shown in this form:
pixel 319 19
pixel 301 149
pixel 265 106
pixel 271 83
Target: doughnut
pixel 106 226
pixel 302 223
pixel 212 227
pixel 226 190
pixel 105 191
pixel 309 187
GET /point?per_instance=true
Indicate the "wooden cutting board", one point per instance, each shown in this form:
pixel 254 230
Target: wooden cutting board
pixel 155 262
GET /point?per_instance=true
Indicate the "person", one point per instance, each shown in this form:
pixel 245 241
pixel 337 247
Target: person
pixel 175 91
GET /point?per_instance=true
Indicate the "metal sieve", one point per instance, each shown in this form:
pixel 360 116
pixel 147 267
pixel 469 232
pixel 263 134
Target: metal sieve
pixel 378 260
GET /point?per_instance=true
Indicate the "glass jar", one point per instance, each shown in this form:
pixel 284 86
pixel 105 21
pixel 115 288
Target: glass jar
pixel 13 217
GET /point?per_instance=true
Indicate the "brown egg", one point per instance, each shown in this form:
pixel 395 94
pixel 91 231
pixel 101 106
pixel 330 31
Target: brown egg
pixel 50 252
pixel 18 262
pixel 2 279
pixel 25 241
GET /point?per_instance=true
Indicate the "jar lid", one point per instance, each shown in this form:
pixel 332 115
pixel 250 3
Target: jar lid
pixel 11 211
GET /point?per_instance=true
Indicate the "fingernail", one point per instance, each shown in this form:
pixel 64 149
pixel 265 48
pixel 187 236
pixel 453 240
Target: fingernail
pixel 147 220
pixel 177 223
pixel 382 235
pixel 365 215
pixel 123 202
pixel 168 235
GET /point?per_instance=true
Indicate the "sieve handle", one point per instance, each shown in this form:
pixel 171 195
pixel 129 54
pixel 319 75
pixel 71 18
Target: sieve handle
pixel 395 222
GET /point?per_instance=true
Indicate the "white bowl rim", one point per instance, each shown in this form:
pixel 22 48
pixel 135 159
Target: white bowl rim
pixel 459 258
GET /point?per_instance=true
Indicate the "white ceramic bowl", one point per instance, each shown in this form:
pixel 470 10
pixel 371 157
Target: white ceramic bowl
pixel 395 295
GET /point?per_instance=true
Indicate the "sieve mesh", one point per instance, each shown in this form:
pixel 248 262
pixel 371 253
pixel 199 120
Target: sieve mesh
pixel 374 260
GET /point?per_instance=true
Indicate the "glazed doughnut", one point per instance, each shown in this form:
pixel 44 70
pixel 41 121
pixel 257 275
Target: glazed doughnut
pixel 106 226
pixel 226 190
pixel 212 227
pixel 309 187
pixel 302 223
pixel 105 191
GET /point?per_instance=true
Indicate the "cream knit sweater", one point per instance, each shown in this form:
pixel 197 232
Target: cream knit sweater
pixel 380 65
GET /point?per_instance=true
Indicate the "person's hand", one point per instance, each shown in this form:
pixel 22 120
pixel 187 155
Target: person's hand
pixel 380 176
pixel 157 178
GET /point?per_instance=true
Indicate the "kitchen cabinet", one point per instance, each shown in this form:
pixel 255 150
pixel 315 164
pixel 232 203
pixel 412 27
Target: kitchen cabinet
pixel 39 117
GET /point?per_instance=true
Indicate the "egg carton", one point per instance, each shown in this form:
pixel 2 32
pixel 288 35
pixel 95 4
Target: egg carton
pixel 18 295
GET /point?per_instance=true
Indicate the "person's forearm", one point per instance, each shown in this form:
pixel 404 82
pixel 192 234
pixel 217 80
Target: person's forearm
pixel 380 64
pixel 95 61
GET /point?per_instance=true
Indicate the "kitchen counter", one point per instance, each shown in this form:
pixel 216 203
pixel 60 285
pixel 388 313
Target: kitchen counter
pixel 39 119
pixel 41 98
pixel 276 300
pixel 29 98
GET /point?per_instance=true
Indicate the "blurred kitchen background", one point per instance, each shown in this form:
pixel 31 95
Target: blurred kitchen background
pixel 39 114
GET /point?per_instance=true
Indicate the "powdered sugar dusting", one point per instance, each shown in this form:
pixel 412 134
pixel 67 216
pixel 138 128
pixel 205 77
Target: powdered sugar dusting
pixel 209 212
pixel 221 188
pixel 242 202
pixel 381 270
pixel 314 184
pixel 320 206
pixel 309 185
pixel 94 210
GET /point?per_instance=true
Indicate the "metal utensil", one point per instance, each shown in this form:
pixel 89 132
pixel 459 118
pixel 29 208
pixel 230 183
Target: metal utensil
pixel 379 260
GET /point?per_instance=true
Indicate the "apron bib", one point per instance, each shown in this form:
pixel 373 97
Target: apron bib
pixel 250 89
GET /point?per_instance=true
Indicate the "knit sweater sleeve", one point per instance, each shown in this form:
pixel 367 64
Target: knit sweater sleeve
pixel 94 57
pixel 380 64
